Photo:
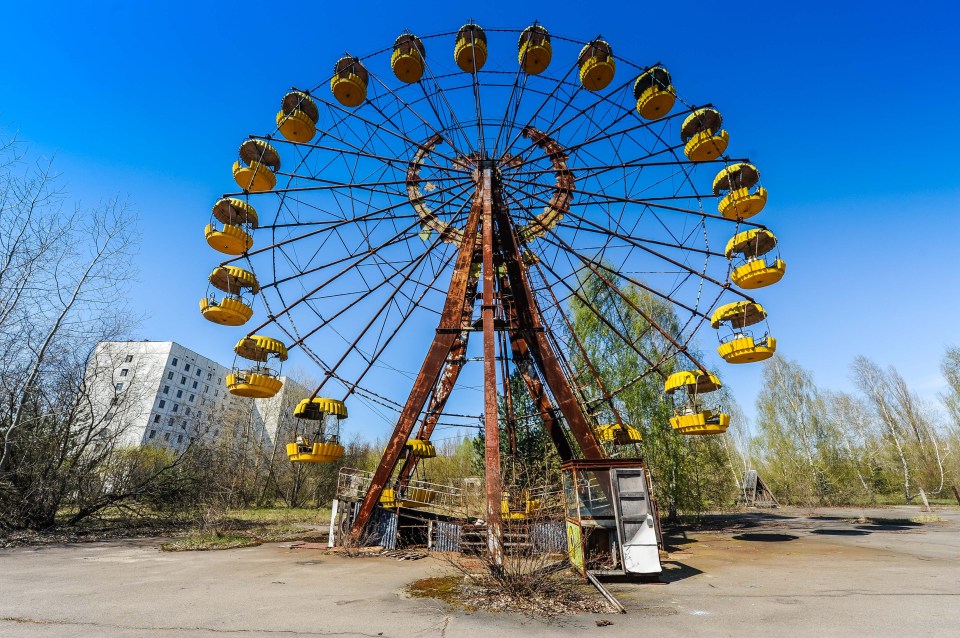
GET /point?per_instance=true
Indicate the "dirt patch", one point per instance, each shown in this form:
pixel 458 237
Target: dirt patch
pixel 560 595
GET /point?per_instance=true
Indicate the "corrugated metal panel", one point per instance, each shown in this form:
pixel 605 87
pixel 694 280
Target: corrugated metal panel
pixel 548 537
pixel 445 537
pixel 385 524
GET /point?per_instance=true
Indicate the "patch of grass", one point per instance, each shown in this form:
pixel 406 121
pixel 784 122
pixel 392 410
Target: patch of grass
pixel 200 541
pixel 927 518
pixel 266 515
pixel 445 588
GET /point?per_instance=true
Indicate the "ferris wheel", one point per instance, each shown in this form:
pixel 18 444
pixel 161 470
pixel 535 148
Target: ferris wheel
pixel 489 181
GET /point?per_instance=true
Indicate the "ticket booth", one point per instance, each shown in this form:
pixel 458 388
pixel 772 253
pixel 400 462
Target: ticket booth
pixel 610 517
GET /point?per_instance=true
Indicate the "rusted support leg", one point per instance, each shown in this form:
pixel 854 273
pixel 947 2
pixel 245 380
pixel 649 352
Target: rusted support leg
pixel 491 427
pixel 451 324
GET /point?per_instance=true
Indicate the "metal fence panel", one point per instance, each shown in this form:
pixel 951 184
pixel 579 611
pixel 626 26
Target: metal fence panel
pixel 548 537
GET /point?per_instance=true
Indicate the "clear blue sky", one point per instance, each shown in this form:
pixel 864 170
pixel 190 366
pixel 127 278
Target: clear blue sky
pixel 848 108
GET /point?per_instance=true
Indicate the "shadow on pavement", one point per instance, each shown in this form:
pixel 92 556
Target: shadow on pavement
pixel 841 532
pixel 765 537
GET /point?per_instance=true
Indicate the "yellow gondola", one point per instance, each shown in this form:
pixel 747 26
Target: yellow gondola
pixel 298 116
pixel 234 308
pixel 740 346
pixel 702 136
pixel 690 416
pixel 654 93
pixel 410 497
pixel 325 445
pixel 756 268
pixel 349 82
pixel 535 51
pixel 239 219
pixel 618 434
pixel 420 448
pixel 409 58
pixel 470 52
pixel 256 169
pixel 735 182
pixel 257 381
pixel 597 66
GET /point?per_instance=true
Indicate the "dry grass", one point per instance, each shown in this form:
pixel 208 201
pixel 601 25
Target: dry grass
pixel 199 541
pixel 558 594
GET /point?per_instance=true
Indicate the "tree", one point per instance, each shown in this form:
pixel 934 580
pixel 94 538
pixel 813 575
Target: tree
pixel 63 274
pixel 795 437
pixel 908 427
pixel 616 348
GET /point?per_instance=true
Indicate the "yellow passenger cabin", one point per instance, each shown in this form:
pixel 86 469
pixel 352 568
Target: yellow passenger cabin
pixel 597 66
pixel 702 135
pixel 238 219
pixel 321 417
pixel 408 61
pixel 535 51
pixel 470 51
pixel 740 345
pixel 691 416
pixel 257 380
pixel 742 197
pixel 755 266
pixel 298 116
pixel 349 82
pixel 618 434
pixel 654 93
pixel 256 169
pixel 233 308
pixel 420 448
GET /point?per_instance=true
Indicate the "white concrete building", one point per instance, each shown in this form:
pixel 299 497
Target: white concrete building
pixel 161 393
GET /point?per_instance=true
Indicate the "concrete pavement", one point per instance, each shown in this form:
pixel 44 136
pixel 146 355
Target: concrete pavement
pixel 780 574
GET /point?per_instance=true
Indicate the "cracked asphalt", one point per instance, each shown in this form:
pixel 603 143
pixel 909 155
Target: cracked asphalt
pixel 779 573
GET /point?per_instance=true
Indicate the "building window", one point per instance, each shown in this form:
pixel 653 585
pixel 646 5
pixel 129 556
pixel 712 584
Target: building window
pixel 119 387
pixel 166 389
pixel 183 380
pixel 219 380
pixel 175 407
pixel 153 433
pixel 166 437
pixel 187 411
pixel 128 358
pixel 170 376
pixel 124 372
pixel 194 385
pixel 206 389
pixel 186 367
pixel 174 362
pixel 163 404
pixel 170 422
pixel 216 393
pixel 199 371
pixel 179 394
pixel 191 398
pixel 156 418
pixel 180 438
pixel 209 376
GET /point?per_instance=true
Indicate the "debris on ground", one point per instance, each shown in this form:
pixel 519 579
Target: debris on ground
pixel 563 594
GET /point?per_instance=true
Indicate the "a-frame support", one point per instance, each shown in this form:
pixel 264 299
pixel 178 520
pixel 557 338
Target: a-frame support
pixel 490 222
